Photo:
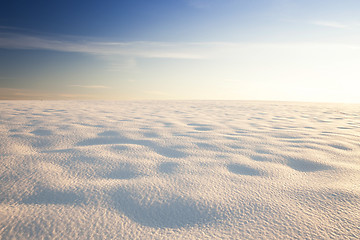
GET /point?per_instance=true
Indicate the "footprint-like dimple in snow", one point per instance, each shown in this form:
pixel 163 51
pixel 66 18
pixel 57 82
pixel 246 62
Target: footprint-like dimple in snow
pixel 168 167
pixel 207 146
pixel 262 151
pixel 243 170
pixel 344 128
pixel 170 213
pixel 42 132
pixel 151 134
pixel 236 146
pixel 341 147
pixel 260 158
pixel 241 131
pixel 200 127
pixel 109 134
pixel 170 152
pixel 306 165
pixel 121 173
pixel 164 151
pixel 286 136
pixel 51 196
pixel 203 129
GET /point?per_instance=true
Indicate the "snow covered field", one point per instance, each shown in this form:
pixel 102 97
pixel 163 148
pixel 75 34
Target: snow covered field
pixel 179 170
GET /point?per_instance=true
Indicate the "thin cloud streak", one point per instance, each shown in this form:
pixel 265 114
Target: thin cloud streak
pixel 143 49
pixel 89 86
pixel 330 24
pixel 29 94
pixel 134 49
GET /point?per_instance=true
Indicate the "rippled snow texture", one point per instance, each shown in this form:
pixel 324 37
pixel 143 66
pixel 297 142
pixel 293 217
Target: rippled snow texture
pixel 179 170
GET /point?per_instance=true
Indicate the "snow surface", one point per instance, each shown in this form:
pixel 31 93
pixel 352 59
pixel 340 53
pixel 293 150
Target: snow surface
pixel 179 170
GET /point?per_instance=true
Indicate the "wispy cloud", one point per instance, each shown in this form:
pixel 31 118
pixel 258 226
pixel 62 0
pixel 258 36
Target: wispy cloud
pixel 29 94
pixel 123 55
pixel 89 86
pixel 130 49
pixel 119 64
pixel 330 24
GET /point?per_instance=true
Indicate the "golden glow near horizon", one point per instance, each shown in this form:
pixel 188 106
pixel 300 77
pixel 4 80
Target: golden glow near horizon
pixel 278 55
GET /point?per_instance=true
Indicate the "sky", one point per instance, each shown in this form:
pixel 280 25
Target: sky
pixel 278 50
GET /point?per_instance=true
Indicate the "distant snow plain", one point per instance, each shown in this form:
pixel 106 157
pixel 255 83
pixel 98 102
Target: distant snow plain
pixel 179 170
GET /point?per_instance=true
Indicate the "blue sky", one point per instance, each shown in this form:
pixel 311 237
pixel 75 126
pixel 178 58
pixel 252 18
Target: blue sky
pixel 288 50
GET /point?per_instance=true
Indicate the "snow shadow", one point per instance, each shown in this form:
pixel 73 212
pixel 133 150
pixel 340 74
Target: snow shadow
pixel 173 213
pixel 168 167
pixel 260 158
pixel 243 170
pixel 51 196
pixel 117 139
pixel 207 146
pixel 151 134
pixel 306 165
pixel 201 127
pixel 42 132
pixel 122 172
pixel 341 147
pixel 109 134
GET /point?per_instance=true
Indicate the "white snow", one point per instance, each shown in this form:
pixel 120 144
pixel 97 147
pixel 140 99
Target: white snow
pixel 179 170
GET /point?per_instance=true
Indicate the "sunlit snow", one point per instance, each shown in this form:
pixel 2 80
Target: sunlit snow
pixel 179 170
